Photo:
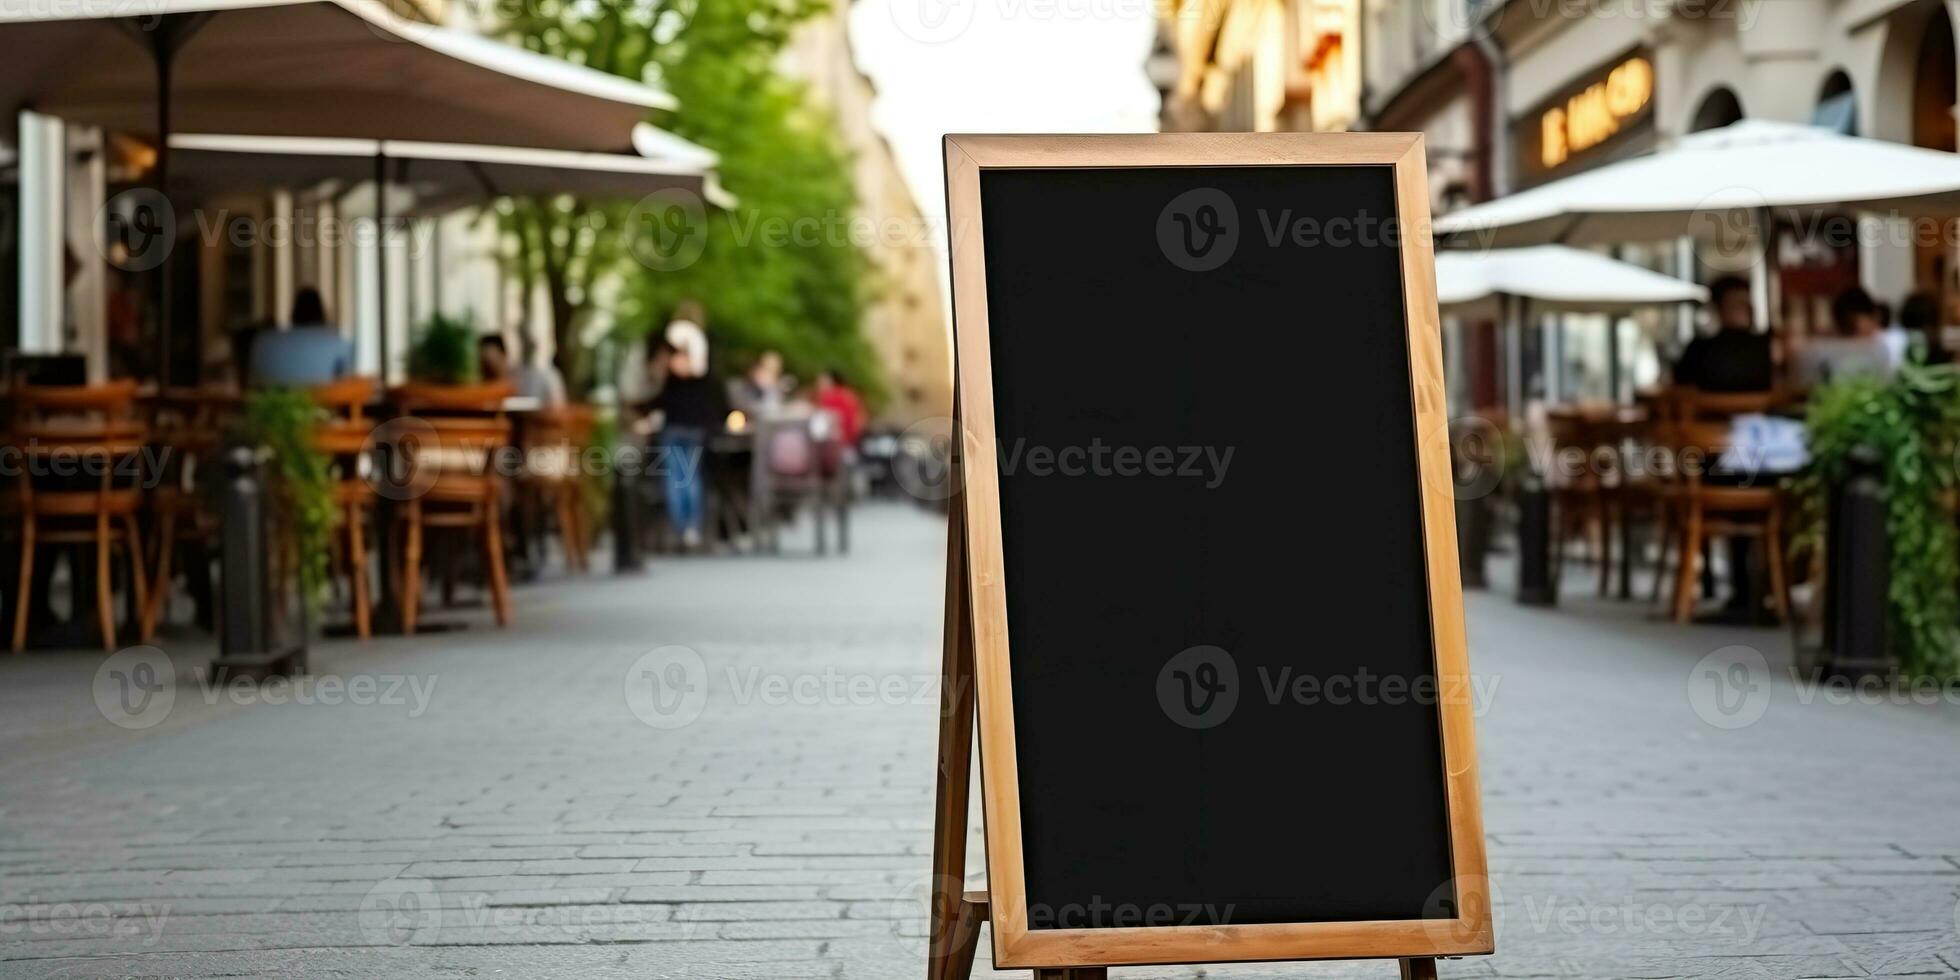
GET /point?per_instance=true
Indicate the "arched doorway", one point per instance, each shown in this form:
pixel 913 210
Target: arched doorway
pixel 1718 108
pixel 1933 127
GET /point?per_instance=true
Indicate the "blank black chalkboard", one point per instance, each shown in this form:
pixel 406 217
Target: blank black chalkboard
pixel 1209 491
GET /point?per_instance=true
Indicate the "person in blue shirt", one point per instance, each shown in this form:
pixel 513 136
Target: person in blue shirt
pixel 310 352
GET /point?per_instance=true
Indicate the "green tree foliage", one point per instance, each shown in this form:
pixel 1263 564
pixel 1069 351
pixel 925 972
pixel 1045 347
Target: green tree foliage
pixel 1912 424
pixel 779 271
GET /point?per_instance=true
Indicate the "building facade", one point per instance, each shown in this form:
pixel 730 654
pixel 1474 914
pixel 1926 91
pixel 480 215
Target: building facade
pixel 906 316
pixel 1516 93
pixel 1258 65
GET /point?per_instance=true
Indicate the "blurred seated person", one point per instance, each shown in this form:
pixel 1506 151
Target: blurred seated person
pixel 761 390
pixel 1919 318
pixel 1736 357
pixel 528 379
pixel 309 352
pixel 1858 348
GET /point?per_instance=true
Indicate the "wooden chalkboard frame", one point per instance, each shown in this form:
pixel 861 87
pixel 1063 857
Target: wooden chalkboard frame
pixel 976 615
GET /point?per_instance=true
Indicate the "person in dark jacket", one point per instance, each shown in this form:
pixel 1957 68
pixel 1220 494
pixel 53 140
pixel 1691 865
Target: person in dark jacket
pixel 1736 357
pixel 692 407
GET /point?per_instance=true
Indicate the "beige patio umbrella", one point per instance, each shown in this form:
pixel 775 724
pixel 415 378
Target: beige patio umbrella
pixel 327 68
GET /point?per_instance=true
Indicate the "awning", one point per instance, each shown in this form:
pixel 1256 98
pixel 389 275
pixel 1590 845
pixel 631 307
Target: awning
pixel 442 176
pixel 337 68
pixel 1553 277
pixel 1715 182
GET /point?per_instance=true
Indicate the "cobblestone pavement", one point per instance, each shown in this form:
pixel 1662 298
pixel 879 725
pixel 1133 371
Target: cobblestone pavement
pixel 487 803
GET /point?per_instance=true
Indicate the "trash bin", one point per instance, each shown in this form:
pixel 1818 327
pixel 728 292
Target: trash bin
pixel 1857 610
pixel 262 623
pixel 1537 579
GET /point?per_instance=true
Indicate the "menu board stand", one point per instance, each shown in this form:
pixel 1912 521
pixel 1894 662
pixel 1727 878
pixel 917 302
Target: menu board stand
pixel 956 912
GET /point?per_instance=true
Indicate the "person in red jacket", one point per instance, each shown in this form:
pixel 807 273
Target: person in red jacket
pixel 837 398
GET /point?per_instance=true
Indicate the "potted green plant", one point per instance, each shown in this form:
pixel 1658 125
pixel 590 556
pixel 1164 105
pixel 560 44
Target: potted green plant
pixel 280 423
pixel 444 351
pixel 1909 426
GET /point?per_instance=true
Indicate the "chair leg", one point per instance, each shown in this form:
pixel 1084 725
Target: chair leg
pixel 161 579
pixel 105 599
pixel 22 607
pixel 568 530
pixel 133 537
pixel 493 563
pixel 1605 547
pixel 1664 523
pixel 1779 586
pixel 1691 542
pixel 357 571
pixel 412 569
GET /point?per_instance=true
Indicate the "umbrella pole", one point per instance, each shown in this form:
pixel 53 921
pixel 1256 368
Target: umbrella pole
pixel 165 52
pixel 381 258
pixel 1759 293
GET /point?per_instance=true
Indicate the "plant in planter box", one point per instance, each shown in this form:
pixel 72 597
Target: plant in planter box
pixel 299 481
pixel 444 351
pixel 1912 424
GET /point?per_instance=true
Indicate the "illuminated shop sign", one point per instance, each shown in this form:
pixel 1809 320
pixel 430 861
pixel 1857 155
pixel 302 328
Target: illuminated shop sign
pixel 1599 109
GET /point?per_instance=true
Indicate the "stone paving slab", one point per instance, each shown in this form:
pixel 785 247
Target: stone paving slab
pixel 505 803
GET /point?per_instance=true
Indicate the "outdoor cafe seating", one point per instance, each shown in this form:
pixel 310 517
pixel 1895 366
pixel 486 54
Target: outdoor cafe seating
pixel 1621 468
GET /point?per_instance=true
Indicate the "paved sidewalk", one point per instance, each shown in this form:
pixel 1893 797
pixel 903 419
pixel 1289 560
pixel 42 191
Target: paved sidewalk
pixel 490 803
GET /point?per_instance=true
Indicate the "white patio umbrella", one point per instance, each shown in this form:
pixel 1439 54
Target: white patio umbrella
pixel 330 68
pixel 303 68
pixel 1553 277
pixel 442 176
pixel 1715 180
pixel 1510 283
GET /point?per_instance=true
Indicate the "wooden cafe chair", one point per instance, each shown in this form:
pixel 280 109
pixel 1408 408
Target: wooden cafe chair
pixel 1578 494
pixel 1699 432
pixel 344 436
pixel 188 426
pixel 554 441
pixel 456 461
pixel 81 482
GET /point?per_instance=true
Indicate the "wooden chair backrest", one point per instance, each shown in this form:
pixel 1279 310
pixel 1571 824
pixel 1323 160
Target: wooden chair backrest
pixel 418 399
pixel 109 402
pixel 346 398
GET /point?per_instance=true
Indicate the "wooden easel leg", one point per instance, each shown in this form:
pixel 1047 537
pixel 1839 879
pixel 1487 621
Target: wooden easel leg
pixel 1420 968
pixel 955 926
